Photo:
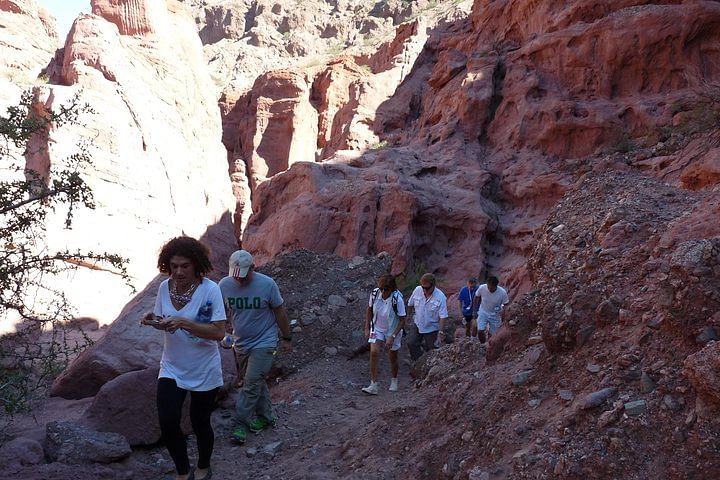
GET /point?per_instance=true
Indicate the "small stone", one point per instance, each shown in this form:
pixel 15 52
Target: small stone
pixel 271 449
pixel 583 335
pixel 325 320
pixel 330 351
pixel 610 416
pixel 559 228
pixel 356 261
pixel 535 355
pixel 647 384
pixel 670 402
pixel 534 403
pixel 337 301
pixel 251 452
pixel 297 329
pixel 593 368
pixel 308 320
pixel 597 398
pixel 678 435
pixel 708 334
pixel 655 323
pixel 635 408
pixel 566 395
pixel 478 473
pixel 521 377
pixel 533 340
pixel 467 436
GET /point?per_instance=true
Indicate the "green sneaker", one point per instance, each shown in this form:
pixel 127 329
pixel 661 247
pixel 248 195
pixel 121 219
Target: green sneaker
pixel 260 424
pixel 239 435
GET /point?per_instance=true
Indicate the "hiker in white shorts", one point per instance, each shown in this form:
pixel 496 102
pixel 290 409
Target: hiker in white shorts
pixel 488 304
pixel 384 320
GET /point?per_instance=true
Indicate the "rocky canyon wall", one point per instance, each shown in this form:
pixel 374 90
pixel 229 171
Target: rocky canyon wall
pixel 515 94
pixel 158 166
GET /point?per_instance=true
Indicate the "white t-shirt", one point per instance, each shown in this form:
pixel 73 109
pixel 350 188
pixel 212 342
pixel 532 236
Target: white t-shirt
pixel 382 309
pixel 428 311
pixel 193 362
pixel 492 302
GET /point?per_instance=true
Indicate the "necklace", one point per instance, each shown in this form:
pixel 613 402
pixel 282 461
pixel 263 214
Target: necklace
pixel 182 299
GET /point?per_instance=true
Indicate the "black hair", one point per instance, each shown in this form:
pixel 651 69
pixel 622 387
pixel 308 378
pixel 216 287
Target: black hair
pixel 493 280
pixel 388 281
pixel 188 247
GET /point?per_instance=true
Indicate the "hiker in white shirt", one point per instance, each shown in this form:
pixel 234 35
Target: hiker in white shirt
pixel 429 307
pixel 189 309
pixel 490 299
pixel 384 321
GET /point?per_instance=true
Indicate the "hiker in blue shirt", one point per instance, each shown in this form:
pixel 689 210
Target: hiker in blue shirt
pixel 465 300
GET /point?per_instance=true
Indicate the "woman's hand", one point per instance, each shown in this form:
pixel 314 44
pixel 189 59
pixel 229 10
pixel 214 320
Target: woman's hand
pixel 154 321
pixel 173 323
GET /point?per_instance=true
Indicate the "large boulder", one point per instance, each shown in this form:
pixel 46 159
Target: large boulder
pixel 69 442
pixel 22 451
pixel 367 207
pixel 127 405
pixel 126 346
pixel 703 370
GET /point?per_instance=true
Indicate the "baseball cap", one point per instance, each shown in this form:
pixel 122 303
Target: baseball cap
pixel 240 263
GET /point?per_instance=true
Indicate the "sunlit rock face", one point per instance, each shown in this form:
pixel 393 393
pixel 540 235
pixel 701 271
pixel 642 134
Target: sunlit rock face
pixel 28 40
pixel 153 135
pixel 528 96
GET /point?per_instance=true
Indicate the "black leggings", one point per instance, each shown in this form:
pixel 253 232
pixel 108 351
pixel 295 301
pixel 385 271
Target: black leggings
pixel 170 399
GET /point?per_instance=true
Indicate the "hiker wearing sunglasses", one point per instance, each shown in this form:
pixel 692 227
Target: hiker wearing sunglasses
pixel 428 305
pixel 384 320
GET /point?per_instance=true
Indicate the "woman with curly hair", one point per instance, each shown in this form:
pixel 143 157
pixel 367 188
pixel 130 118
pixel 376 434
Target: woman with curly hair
pixel 189 309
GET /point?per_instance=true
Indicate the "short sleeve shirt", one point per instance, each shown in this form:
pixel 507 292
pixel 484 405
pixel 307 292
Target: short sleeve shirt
pixel 193 362
pixel 253 319
pixel 466 298
pixel 428 311
pixel 383 307
pixel 491 302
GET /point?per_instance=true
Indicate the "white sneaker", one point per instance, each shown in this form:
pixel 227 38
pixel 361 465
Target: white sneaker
pixel 371 389
pixel 393 385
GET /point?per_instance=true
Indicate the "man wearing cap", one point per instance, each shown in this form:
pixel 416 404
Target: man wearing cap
pixel 257 314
